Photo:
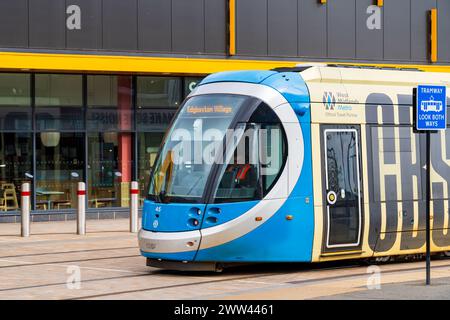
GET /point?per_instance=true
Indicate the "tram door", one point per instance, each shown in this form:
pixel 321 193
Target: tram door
pixel 342 194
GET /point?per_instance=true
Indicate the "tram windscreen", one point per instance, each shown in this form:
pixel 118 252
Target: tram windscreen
pixel 190 147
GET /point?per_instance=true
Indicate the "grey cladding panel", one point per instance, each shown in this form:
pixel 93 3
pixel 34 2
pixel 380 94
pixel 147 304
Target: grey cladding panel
pixel 289 28
pixel 155 25
pixel 420 28
pixel 282 27
pixel 444 30
pixel 369 41
pixel 90 35
pixel 120 24
pixel 215 26
pixel 397 31
pixel 251 27
pixel 14 23
pixel 47 26
pixel 312 33
pixel 188 23
pixel 341 29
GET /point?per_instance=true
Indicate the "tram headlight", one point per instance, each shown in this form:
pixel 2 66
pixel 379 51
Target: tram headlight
pixel 190 244
pixel 193 222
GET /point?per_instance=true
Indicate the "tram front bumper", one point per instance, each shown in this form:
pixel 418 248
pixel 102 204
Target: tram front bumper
pixel 178 246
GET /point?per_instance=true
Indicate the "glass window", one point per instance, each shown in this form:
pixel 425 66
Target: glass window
pixel 109 169
pixel 188 153
pixel 58 90
pixel 109 103
pixel 16 163
pixel 102 91
pixel 273 154
pixel 240 177
pixel 273 145
pixel 59 101
pixel 15 101
pixel 254 165
pixel 154 119
pixel 190 83
pixel 15 89
pixel 148 147
pixel 159 92
pixel 59 167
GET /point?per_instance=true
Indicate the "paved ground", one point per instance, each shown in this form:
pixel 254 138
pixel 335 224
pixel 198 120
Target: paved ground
pixel 46 265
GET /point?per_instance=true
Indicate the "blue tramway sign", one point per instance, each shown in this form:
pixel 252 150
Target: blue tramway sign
pixel 431 108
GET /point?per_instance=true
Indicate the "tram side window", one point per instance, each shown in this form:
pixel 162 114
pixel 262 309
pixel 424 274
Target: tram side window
pixel 272 144
pixel 272 154
pixel 240 177
pixel 257 161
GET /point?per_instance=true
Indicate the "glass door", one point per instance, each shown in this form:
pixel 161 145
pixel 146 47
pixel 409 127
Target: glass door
pixel 342 187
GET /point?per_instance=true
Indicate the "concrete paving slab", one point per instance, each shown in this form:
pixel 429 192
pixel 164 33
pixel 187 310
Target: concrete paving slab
pixel 108 262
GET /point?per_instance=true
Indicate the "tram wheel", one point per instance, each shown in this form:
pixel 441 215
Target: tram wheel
pixel 219 268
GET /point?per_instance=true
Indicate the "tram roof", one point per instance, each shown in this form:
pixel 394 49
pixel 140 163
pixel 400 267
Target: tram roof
pixel 351 84
pixel 345 74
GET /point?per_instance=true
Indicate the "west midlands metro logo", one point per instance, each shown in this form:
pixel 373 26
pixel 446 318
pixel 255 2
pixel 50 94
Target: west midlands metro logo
pixel 329 100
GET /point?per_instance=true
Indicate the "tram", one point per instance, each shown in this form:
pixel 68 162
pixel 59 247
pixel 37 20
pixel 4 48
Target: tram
pixel 306 164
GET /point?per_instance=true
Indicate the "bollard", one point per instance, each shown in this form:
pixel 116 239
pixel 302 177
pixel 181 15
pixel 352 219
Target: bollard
pixel 134 207
pixel 81 208
pixel 25 209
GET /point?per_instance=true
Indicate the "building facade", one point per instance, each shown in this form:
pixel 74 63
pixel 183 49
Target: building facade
pixel 58 129
pixel 88 87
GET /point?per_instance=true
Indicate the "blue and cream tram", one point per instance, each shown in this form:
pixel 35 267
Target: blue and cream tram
pixel 330 168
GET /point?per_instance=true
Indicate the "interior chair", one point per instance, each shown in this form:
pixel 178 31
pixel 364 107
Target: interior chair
pixel 64 205
pixel 10 199
pixel 8 186
pixel 2 203
pixel 41 205
pixel 64 200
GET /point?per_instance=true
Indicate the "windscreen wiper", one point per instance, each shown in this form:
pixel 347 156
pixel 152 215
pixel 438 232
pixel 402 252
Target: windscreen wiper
pixel 161 196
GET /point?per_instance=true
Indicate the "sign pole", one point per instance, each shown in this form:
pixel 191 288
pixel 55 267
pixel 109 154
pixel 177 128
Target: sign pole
pixel 428 208
pixel 430 103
